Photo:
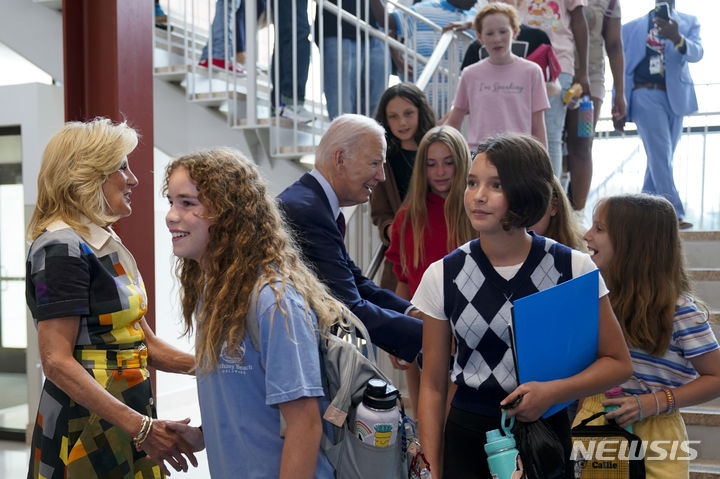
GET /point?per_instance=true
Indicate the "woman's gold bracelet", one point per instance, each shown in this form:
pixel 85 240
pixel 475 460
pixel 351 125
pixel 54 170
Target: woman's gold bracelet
pixel 144 431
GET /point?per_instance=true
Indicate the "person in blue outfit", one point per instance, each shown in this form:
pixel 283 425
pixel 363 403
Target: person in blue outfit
pixel 348 166
pixel 232 245
pixel 659 91
pixel 160 16
pixel 343 97
pixel 291 87
pixel 229 19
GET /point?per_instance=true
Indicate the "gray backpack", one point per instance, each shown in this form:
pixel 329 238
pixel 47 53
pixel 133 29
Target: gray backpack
pixel 346 371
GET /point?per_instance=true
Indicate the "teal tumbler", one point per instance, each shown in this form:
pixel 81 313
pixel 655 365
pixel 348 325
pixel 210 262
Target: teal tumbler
pixel 585 117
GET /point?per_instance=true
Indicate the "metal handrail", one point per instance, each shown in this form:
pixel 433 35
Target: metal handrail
pixel 246 99
pixel 376 261
pixel 434 62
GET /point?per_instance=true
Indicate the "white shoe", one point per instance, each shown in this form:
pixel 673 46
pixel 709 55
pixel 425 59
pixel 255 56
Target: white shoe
pixel 299 113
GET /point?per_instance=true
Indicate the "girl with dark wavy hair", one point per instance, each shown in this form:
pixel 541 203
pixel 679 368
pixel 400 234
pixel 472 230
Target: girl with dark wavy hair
pixel 406 115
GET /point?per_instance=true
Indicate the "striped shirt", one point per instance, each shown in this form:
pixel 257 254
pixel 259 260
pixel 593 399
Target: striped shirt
pixel 423 37
pixel 439 12
pixel 691 337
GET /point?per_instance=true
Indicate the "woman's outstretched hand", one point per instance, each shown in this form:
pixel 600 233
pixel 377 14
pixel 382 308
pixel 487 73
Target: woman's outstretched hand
pixel 165 444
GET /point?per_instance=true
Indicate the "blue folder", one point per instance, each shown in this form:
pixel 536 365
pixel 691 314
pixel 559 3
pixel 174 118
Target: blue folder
pixel 556 331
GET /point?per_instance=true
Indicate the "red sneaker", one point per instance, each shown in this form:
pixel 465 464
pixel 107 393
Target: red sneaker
pixel 223 65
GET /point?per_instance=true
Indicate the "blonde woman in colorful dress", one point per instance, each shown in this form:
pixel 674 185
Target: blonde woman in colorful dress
pixel 96 416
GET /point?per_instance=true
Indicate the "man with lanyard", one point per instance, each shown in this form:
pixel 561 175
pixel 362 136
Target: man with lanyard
pixel 659 90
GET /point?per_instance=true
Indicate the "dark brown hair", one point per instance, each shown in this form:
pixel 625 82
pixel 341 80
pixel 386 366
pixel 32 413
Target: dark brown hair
pixel 526 175
pixel 426 115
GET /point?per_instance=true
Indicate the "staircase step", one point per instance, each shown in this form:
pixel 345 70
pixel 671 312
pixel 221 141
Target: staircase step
pixel 704 274
pixel 704 469
pixel 702 423
pixel 173 42
pixel 307 149
pixel 179 34
pixel 692 235
pixel 702 248
pixel 172 73
pixel 200 85
pixel 713 404
pixel 701 416
pixel 210 99
pixel 706 285
pixel 318 126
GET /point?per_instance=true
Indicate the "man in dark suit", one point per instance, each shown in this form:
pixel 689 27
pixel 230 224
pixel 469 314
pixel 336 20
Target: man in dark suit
pixel 348 165
pixel 659 91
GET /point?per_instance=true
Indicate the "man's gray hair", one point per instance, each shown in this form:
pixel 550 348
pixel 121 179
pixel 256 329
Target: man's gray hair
pixel 345 133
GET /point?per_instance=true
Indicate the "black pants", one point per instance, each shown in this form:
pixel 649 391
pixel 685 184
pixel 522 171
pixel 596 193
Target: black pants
pixel 464 453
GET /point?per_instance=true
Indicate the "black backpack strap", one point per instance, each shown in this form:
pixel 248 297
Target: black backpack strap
pixel 590 419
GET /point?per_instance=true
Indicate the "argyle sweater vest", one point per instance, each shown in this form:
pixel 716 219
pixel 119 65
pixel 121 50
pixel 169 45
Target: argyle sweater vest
pixel 478 302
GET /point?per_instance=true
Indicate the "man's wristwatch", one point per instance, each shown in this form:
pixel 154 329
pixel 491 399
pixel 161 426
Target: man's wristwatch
pixel 681 44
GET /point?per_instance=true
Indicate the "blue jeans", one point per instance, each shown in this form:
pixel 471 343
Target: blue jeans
pixel 222 47
pixel 284 49
pixel 240 22
pixel 217 29
pixel 348 89
pixel 555 123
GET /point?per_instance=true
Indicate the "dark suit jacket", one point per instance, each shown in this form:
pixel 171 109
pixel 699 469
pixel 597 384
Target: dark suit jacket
pixel 679 84
pixel 309 214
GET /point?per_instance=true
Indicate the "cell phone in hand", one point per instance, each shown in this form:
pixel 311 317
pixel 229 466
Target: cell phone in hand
pixel 619 124
pixel 662 10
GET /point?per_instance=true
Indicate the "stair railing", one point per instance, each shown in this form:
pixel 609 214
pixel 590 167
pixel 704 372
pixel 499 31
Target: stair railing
pixel 245 99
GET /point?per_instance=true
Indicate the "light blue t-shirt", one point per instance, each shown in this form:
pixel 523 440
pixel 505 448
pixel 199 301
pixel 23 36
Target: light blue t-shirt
pixel 239 399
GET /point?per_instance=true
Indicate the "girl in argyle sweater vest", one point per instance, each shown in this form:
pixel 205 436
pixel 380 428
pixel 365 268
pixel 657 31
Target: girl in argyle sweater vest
pixel 469 294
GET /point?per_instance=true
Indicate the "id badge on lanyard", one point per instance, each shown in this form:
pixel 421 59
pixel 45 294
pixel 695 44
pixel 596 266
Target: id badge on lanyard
pixel 657 65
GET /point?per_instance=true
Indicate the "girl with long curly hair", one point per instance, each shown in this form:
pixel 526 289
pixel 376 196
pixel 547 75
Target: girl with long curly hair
pixel 634 241
pixel 231 242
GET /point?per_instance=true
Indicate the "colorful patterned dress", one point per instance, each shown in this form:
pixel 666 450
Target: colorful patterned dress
pixel 95 277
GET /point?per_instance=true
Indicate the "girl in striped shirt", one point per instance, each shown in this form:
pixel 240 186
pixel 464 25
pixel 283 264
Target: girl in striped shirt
pixel 635 243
